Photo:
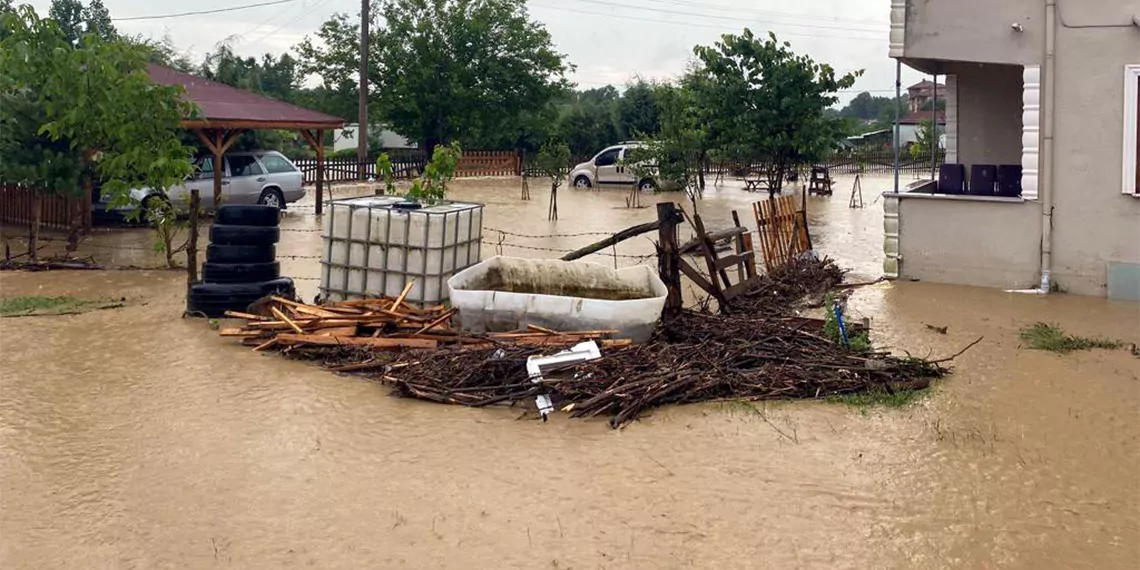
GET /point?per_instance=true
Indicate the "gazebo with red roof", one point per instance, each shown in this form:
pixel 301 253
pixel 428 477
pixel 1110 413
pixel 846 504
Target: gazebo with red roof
pixel 225 111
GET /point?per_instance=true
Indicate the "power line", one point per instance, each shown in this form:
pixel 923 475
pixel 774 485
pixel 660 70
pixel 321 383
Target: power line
pixel 790 15
pixel 202 12
pixel 699 25
pixel 720 17
pixel 300 15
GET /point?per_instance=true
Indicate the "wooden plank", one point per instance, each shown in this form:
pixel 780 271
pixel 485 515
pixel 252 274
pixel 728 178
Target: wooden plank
pixel 696 277
pixel 403 295
pixel 240 332
pixel 246 316
pixel 750 267
pixel 443 318
pixel 734 259
pixel 267 344
pixel 318 340
pixel 338 331
pixel 281 316
pixel 303 308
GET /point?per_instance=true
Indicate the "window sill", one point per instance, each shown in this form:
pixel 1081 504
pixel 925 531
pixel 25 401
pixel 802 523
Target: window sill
pixel 956 197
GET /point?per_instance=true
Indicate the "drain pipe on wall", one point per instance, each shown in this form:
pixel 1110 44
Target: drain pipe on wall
pixel 1050 69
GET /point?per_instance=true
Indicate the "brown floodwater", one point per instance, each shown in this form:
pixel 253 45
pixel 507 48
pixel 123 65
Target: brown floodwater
pixel 132 438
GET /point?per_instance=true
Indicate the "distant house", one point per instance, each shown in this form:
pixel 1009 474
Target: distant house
pixel 346 138
pixel 922 93
pixel 1052 102
pixel 911 124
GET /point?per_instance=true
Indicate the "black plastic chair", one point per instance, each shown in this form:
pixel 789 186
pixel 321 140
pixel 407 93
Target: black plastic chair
pixel 951 179
pixel 1009 180
pixel 982 179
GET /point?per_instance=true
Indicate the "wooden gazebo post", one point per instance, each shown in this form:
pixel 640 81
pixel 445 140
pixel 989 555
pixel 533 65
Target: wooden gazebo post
pixel 218 141
pixel 317 141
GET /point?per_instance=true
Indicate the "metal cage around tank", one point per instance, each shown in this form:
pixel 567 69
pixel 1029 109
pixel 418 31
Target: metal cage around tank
pixel 372 248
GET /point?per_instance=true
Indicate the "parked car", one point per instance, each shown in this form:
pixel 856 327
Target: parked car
pixel 263 177
pixel 609 167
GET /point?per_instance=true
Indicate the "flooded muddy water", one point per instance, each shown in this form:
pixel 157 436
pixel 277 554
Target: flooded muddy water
pixel 132 438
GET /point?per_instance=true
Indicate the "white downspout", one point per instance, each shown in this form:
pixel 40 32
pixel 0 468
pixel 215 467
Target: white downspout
pixel 1050 70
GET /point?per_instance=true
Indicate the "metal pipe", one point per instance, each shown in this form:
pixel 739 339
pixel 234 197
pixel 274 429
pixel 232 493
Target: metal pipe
pixel 898 95
pixel 1050 70
pixel 934 132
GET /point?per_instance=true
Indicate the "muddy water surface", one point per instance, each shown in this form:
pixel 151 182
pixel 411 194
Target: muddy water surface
pixel 135 439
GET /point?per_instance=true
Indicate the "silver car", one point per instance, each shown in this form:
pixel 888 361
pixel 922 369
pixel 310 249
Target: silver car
pixel 264 177
pixel 611 167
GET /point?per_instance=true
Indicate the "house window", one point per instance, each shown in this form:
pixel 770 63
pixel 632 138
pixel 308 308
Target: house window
pixel 1132 130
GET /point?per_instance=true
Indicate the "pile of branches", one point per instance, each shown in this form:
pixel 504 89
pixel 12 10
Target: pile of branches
pixel 760 351
pixel 696 358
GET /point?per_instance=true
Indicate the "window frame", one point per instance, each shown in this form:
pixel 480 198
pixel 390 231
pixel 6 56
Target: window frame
pixel 265 158
pixel 252 160
pixel 1131 129
pixel 617 156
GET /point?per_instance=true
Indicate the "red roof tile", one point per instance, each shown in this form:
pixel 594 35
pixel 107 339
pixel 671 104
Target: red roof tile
pixel 219 103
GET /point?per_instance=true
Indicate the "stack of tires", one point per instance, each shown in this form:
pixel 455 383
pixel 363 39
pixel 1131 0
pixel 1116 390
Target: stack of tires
pixel 241 265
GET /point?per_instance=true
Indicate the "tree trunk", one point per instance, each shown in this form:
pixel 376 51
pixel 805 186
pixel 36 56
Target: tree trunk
pixel 76 222
pixel 34 227
pixel 552 215
pixel 192 244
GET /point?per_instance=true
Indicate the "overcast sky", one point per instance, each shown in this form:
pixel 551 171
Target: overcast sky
pixel 610 41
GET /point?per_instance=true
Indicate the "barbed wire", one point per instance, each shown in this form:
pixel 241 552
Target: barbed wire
pixel 540 236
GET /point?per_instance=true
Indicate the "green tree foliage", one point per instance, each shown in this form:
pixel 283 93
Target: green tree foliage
pixel 90 96
pixel 676 153
pixel 553 161
pixel 638 111
pixel 768 101
pixel 447 68
pixel 75 20
pixel 431 188
pixel 587 127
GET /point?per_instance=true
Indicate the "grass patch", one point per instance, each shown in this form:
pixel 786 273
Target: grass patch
pixel 38 305
pixel 1043 336
pixel 879 398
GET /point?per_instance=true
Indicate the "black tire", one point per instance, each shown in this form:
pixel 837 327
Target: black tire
pixel 244 235
pixel 214 299
pixel 271 196
pixel 240 272
pixel 216 253
pixel 247 215
pixel 582 181
pixel 647 185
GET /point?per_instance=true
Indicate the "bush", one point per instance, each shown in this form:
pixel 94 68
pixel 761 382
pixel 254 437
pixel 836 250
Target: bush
pixel 343 154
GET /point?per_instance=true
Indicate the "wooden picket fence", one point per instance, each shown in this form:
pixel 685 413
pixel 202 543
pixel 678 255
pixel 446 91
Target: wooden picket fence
pixel 409 163
pixel 17 207
pixel 783 230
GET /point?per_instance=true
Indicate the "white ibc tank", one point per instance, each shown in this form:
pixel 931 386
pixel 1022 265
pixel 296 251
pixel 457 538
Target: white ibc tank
pixel 373 248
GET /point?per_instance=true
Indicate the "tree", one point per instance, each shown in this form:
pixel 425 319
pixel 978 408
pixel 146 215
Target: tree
pixel 85 111
pixel 553 161
pixel 768 100
pixel 451 67
pixel 638 111
pixel 75 20
pixel 676 154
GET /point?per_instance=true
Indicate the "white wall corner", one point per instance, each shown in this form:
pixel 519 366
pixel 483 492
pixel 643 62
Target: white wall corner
pixel 951 119
pixel 1030 131
pixel 1131 136
pixel 891 225
pixel 898 28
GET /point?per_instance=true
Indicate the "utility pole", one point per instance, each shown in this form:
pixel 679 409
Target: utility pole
pixel 362 123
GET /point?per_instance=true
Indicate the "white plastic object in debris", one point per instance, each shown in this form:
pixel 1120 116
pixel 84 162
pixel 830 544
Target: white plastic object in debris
pixel 506 294
pixel 373 248
pixel 536 366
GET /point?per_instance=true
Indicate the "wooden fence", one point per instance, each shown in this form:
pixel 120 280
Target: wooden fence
pixel 17 207
pixel 783 230
pixel 409 163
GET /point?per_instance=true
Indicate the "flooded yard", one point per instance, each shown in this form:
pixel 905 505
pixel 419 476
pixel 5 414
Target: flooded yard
pixel 132 438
